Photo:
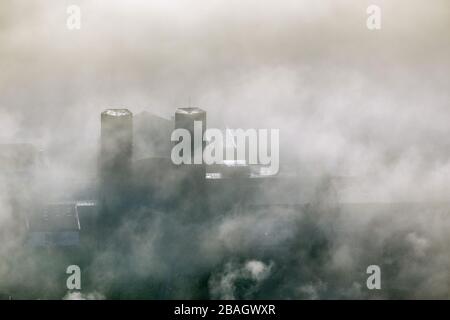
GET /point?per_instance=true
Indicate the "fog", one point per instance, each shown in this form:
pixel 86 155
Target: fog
pixel 367 110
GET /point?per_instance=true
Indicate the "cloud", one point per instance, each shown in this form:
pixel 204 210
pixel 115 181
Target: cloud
pixel 226 284
pixel 363 119
pixel 77 295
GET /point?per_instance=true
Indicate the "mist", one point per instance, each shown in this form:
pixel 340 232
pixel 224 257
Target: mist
pixel 363 119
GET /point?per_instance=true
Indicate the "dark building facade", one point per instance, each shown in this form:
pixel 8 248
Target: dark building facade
pixel 185 118
pixel 116 155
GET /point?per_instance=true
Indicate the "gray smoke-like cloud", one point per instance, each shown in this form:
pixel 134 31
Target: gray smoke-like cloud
pixel 363 119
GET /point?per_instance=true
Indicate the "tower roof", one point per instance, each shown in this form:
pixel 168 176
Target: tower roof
pixel 189 110
pixel 117 112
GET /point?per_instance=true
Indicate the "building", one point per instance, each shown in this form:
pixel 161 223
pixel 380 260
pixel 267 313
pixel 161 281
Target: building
pixel 116 155
pixel 54 225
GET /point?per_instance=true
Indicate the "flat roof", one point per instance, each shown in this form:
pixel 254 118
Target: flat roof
pixel 117 112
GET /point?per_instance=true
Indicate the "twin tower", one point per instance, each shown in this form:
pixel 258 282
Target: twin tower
pixel 121 178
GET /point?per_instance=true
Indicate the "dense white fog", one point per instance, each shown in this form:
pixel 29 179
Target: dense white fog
pixel 371 108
